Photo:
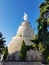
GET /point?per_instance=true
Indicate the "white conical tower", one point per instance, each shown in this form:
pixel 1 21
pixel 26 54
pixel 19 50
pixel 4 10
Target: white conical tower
pixel 25 32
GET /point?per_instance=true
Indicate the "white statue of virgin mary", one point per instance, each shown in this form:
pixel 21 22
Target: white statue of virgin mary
pixel 25 17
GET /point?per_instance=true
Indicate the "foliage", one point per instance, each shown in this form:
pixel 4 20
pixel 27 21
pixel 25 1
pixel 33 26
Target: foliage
pixel 42 38
pixel 36 41
pixel 5 53
pixel 23 52
pixel 28 47
pixel 2 42
pixel 46 0
pixel 46 54
pixel 44 11
pixel 40 47
pixel 43 33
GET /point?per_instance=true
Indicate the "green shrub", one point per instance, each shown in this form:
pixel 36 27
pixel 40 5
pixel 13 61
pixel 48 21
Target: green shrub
pixel 5 54
pixel 23 52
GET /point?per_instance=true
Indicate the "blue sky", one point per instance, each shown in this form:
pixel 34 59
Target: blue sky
pixel 11 15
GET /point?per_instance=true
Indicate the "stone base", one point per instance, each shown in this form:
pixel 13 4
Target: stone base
pixel 22 63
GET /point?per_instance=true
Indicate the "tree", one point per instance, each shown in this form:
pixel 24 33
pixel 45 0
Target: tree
pixel 43 33
pixel 2 42
pixel 23 52
pixel 5 53
pixel 43 23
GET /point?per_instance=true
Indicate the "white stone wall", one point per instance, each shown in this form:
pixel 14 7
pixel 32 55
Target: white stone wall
pixel 22 63
pixel 34 55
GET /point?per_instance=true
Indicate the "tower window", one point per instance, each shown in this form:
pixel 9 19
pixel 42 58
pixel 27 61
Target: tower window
pixel 20 35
